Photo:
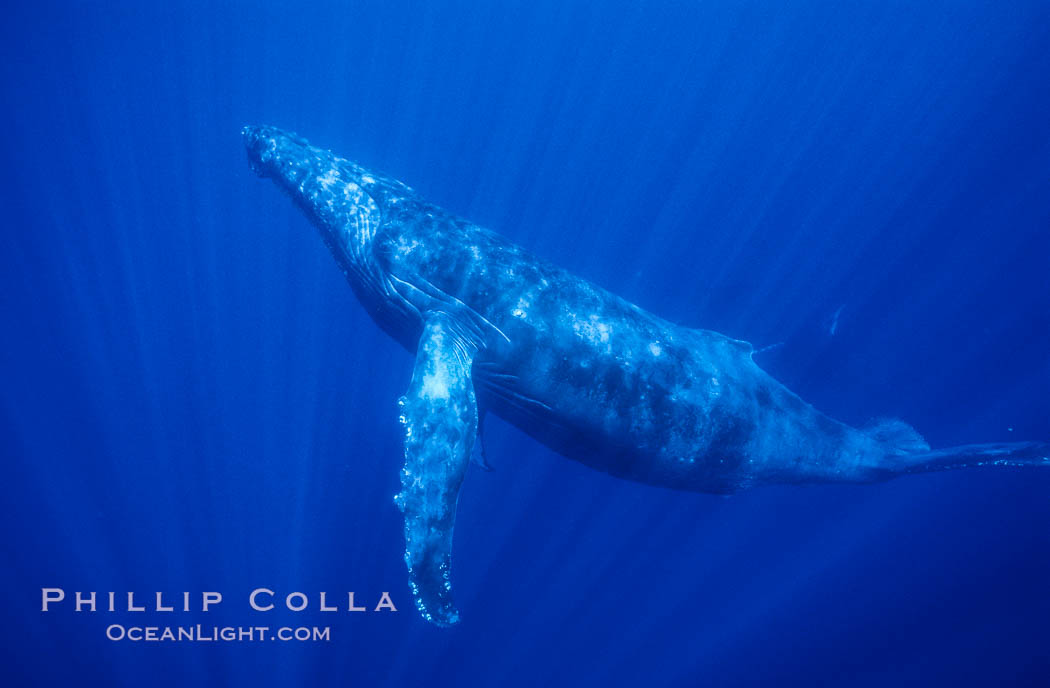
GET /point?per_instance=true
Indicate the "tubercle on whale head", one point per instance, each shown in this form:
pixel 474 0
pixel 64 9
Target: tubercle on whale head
pixel 293 163
pixel 334 193
pixel 274 153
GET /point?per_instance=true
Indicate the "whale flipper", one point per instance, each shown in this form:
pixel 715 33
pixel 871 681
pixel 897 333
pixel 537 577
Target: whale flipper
pixel 440 415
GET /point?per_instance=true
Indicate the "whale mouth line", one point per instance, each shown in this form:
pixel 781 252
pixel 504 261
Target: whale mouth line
pixel 254 145
pixel 257 168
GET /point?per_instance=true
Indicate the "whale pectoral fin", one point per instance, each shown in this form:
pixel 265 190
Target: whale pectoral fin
pixel 440 415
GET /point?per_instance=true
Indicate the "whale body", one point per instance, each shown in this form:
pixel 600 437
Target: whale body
pixel 594 377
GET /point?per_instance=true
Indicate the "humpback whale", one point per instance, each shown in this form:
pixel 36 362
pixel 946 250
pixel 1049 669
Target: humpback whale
pixel 592 376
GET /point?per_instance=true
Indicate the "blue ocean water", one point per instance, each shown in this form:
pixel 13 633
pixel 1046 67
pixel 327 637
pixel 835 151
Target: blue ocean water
pixel 193 400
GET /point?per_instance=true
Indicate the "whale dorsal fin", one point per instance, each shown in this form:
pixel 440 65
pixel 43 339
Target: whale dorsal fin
pixel 738 345
pixel 744 346
pixel 440 415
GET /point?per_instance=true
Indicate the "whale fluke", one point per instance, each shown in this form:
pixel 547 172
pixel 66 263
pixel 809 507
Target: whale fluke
pixel 1016 454
pixel 897 436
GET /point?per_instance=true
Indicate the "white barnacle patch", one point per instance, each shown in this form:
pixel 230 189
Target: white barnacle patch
pixel 352 192
pixel 522 308
pixel 592 330
pixel 714 388
pixel 655 348
pixel 368 179
pixel 435 384
pixel 329 178
pixel 405 246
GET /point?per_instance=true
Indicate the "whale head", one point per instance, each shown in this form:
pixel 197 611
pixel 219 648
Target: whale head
pixel 343 200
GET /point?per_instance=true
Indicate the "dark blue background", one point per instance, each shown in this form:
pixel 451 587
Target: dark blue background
pixel 193 400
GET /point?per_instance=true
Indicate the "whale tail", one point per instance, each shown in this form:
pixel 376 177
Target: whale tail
pixel 907 452
pixel 896 437
pixel 972 455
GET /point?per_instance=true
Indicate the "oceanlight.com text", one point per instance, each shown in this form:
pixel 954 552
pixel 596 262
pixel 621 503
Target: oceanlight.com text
pixel 199 633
